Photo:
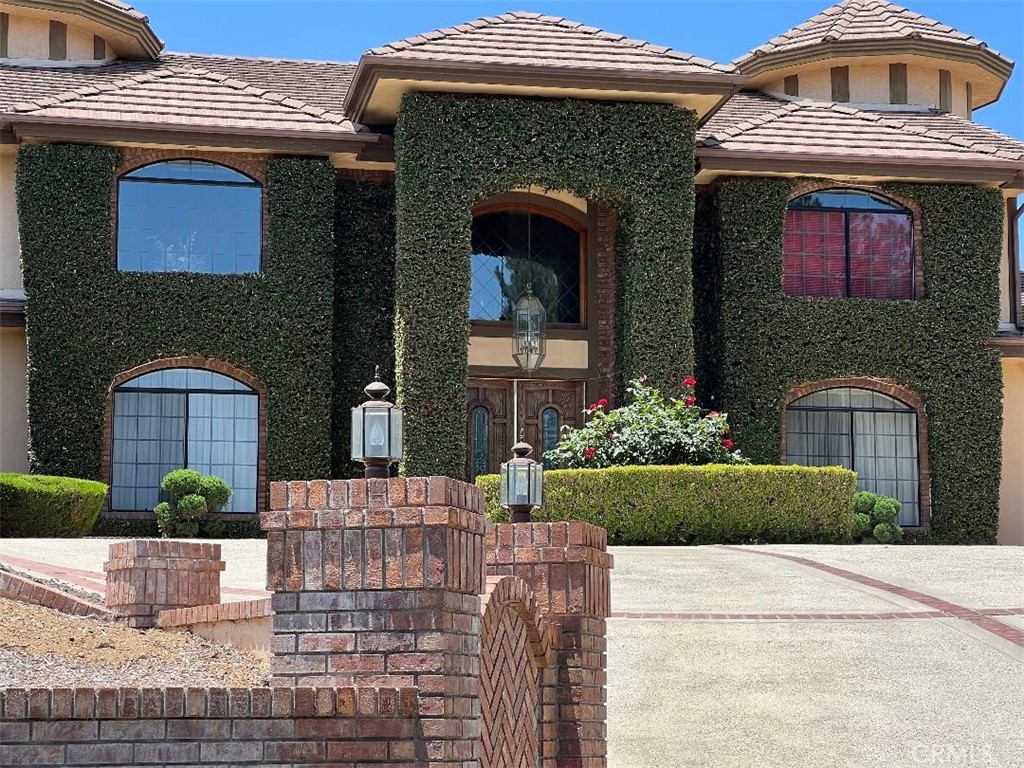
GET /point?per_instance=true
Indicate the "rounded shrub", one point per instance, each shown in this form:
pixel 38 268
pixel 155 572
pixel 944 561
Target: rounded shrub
pixel 191 507
pixel 864 502
pixel 165 518
pixel 46 506
pixel 887 533
pixel 181 482
pixel 886 510
pixel 216 492
pixel 861 524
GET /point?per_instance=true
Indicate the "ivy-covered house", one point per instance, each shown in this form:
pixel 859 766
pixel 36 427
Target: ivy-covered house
pixel 202 258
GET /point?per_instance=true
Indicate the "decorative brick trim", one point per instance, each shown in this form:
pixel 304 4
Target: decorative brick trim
pixel 252 164
pixel 207 614
pixel 806 186
pixel 364 174
pixel 895 390
pixel 206 364
pixel 25 590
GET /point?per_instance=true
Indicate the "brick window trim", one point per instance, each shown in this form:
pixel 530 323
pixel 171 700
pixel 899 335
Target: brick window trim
pixel 895 390
pixel 250 164
pixel 820 185
pixel 206 364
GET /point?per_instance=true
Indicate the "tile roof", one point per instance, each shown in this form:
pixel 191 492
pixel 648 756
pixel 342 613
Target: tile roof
pixel 860 21
pixel 124 8
pixel 532 39
pixel 757 122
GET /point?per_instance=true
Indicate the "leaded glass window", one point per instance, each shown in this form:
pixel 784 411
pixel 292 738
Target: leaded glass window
pixel 481 440
pixel 188 216
pixel 183 417
pixel 516 249
pixel 550 423
pixel 873 434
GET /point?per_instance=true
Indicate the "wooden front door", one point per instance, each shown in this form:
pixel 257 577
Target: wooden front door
pixel 544 408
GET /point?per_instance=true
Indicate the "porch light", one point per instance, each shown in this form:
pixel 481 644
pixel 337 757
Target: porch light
pixel 377 430
pixel 522 483
pixel 529 337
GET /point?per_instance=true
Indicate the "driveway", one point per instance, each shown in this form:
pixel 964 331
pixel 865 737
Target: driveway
pixel 777 656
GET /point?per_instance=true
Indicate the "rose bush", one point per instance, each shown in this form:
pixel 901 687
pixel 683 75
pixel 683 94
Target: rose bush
pixel 651 429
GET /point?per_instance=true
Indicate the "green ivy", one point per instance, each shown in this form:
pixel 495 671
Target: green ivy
pixel 757 344
pixel 452 152
pixel 88 322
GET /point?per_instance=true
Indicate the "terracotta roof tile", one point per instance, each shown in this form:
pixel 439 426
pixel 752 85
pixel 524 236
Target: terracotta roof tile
pixel 530 39
pixel 853 20
pixel 757 122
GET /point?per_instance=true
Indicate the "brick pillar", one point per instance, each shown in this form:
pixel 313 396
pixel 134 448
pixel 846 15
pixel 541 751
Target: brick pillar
pixel 568 568
pixel 378 582
pixel 147 576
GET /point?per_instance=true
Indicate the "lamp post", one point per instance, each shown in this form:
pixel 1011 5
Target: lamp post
pixel 377 430
pixel 529 337
pixel 522 483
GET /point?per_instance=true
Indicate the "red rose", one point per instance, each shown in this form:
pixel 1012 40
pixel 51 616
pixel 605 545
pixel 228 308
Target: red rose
pixel 611 435
pixel 590 453
pixel 690 400
pixel 592 407
pixel 727 444
pixel 602 402
pixel 712 413
pixel 689 381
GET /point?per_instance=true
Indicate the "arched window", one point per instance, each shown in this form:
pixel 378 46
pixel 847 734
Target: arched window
pixel 183 417
pixel 188 216
pixel 844 242
pixel 515 248
pixel 873 434
pixel 550 424
pixel 480 448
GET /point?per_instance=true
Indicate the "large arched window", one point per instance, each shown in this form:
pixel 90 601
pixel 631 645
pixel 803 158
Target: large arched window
pixel 844 242
pixel 873 434
pixel 183 417
pixel 188 216
pixel 516 248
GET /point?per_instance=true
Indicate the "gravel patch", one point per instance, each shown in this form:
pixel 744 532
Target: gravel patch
pixel 40 647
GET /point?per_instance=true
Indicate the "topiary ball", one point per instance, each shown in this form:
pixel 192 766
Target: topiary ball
pixel 886 510
pixel 181 482
pixel 864 502
pixel 191 507
pixel 164 518
pixel 887 533
pixel 861 524
pixel 216 492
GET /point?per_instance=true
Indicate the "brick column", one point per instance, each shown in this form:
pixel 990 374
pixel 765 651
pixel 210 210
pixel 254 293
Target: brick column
pixel 377 582
pixel 147 576
pixel 568 568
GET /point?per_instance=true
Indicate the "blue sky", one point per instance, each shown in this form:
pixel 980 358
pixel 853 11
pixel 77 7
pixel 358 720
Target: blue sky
pixel 340 30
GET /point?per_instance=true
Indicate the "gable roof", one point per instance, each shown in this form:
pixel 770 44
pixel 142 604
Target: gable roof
pixel 795 130
pixel 533 39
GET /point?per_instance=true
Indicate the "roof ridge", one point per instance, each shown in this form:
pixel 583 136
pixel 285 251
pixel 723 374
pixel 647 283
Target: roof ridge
pixel 234 57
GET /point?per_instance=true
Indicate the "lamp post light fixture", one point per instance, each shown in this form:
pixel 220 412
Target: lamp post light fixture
pixel 522 483
pixel 529 337
pixel 377 430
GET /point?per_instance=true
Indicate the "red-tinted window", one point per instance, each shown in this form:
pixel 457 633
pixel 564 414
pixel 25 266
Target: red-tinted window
pixel 848 243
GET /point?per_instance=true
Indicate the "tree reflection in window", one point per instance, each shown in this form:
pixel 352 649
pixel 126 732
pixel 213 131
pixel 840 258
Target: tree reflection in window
pixel 550 425
pixel 481 440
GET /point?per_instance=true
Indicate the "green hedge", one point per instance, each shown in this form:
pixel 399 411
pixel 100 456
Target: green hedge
pixel 709 504
pixel 88 322
pixel 41 505
pixel 757 344
pixel 452 152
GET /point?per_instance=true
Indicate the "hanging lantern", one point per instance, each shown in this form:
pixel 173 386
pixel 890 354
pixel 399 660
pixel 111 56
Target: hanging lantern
pixel 522 483
pixel 529 332
pixel 377 430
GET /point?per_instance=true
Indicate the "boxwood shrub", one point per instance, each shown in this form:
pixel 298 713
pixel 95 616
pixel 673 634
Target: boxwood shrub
pixel 710 504
pixel 42 505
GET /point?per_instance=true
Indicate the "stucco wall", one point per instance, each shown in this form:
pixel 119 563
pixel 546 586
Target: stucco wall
pixel 10 253
pixel 13 417
pixel 29 38
pixel 1011 504
pixel 497 351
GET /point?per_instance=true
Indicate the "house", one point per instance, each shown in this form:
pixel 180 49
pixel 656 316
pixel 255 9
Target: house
pixel 203 258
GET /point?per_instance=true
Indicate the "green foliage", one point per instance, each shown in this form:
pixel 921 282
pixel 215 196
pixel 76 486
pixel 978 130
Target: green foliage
pixel 864 502
pixel 44 506
pixel 89 322
pixel 216 492
pixel 215 527
pixel 762 343
pixel 192 500
pixel 453 152
pixel 710 504
pixel 181 482
pixel 887 533
pixel 651 429
pixel 364 305
pixel 861 525
pixel 886 510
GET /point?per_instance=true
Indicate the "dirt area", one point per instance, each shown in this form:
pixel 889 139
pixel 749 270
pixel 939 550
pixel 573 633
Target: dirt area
pixel 40 647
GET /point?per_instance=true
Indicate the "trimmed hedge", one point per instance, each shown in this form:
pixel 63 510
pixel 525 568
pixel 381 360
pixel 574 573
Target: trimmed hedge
pixel 757 344
pixel 452 152
pixel 87 321
pixel 42 505
pixel 709 504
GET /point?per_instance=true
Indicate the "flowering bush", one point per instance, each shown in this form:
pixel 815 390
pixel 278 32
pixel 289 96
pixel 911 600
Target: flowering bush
pixel 651 429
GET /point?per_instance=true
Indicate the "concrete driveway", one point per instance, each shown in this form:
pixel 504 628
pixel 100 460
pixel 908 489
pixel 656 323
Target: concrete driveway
pixel 773 657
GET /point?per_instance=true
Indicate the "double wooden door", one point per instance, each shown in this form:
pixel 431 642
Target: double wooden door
pixel 496 408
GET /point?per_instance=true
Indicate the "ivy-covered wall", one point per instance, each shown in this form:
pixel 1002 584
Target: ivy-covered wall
pixel 757 344
pixel 87 321
pixel 364 306
pixel 452 152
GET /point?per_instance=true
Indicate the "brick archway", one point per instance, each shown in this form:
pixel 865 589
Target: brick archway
pixel 893 389
pixel 206 364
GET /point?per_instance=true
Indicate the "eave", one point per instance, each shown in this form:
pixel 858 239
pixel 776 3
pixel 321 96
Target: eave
pixel 1008 346
pixel 137 28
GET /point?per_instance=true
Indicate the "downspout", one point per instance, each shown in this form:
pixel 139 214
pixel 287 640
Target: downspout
pixel 1013 212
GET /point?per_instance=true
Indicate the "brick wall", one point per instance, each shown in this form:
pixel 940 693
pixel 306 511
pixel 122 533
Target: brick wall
pixel 28 591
